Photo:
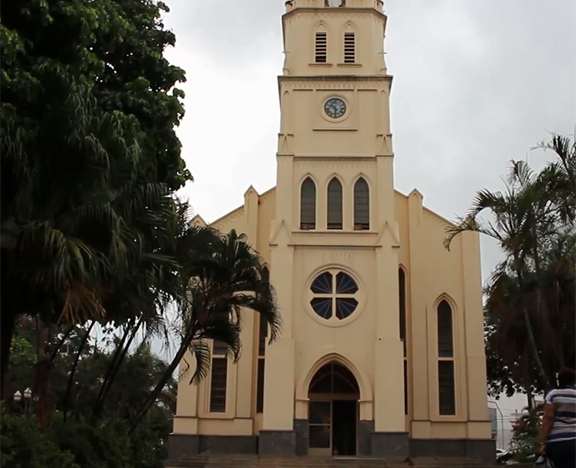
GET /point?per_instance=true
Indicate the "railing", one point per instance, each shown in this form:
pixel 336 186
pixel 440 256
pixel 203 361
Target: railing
pixel 293 4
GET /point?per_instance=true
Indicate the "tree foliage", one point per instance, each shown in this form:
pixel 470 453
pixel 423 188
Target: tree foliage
pixel 90 166
pixel 531 296
pixel 90 160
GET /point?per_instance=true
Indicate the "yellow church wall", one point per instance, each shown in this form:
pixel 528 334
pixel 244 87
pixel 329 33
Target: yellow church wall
pixel 316 340
pixel 402 234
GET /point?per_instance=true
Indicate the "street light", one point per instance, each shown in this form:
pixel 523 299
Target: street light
pixel 22 404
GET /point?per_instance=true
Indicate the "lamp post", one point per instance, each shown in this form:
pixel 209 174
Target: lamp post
pixel 22 401
pixel 27 399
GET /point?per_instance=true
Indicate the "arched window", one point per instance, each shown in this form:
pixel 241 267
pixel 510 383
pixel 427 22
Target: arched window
pixel 402 311
pixel 349 47
pixel 308 205
pixel 334 204
pixel 445 333
pixel 321 47
pixel 446 381
pixel 402 305
pixel 335 3
pixel 361 205
pixel 262 334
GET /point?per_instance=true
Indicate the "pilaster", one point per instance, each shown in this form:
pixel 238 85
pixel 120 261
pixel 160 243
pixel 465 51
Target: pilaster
pixel 280 375
pixel 245 366
pixel 419 321
pixel 389 357
pixel 473 317
pixel 187 402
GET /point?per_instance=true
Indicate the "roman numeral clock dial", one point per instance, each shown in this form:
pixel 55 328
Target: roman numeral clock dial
pixel 335 108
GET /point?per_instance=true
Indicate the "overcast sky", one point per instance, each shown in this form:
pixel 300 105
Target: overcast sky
pixel 476 83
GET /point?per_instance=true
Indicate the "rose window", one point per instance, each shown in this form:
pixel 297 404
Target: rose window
pixel 334 295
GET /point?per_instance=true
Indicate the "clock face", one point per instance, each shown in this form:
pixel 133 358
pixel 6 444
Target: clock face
pixel 335 108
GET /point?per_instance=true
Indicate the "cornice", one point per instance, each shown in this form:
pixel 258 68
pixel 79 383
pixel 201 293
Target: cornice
pixel 334 12
pixel 352 82
pixel 340 78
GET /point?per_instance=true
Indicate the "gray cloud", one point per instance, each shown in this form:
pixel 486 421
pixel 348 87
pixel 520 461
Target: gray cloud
pixel 476 83
pixel 229 32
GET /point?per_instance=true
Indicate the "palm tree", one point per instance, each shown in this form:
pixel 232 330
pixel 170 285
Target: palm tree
pixel 560 176
pixel 521 215
pixel 223 278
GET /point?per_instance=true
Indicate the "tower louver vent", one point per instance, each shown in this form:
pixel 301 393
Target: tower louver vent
pixel 321 47
pixel 349 47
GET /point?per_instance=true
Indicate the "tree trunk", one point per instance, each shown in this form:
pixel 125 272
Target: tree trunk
pixel 43 368
pixel 61 343
pixel 153 396
pixel 73 370
pixel 530 331
pixel 115 367
pixel 8 323
pixel 100 398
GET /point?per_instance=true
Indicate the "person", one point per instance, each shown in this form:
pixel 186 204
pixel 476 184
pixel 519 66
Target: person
pixel 559 422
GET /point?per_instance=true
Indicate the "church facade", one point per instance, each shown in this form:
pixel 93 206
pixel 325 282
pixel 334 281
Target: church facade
pixel 381 351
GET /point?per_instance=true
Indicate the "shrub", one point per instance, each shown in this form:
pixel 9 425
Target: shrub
pixel 105 445
pixel 22 445
pixel 525 433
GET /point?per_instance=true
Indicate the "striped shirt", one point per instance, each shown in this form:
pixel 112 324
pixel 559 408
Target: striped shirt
pixel 564 402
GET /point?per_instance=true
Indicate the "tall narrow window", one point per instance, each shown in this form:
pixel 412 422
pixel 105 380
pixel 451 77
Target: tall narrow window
pixel 334 204
pixel 321 47
pixel 262 334
pixel 402 305
pixel 308 205
pixel 446 380
pixel 219 378
pixel 361 205
pixel 349 47
pixel 402 312
pixel 405 386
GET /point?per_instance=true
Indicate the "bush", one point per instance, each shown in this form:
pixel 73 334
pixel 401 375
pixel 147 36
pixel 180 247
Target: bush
pixel 525 434
pixel 78 444
pixel 103 446
pixel 22 445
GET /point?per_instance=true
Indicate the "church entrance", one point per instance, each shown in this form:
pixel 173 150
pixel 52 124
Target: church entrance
pixel 333 412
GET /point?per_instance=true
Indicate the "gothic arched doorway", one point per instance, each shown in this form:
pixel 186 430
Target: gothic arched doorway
pixel 333 411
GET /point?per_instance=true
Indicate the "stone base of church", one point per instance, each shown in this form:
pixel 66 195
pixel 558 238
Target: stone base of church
pixel 183 446
pixel 295 443
pixel 365 431
pixel 479 449
pixel 390 444
pixel 277 443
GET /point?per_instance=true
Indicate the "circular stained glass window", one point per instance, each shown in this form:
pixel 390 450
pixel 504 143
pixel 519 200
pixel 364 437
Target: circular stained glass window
pixel 334 295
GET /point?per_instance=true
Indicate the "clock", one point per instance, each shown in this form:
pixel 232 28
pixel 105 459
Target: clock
pixel 335 108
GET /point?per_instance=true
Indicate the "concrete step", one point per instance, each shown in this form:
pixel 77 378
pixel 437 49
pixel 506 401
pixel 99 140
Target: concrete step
pixel 255 461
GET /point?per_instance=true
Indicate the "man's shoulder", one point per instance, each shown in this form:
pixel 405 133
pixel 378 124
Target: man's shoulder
pixel 561 392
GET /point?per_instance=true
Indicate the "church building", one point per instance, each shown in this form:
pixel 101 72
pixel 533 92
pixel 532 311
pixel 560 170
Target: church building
pixel 381 351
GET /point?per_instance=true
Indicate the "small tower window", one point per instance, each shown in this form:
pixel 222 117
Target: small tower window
pixel 308 205
pixel 334 204
pixel 321 47
pixel 361 205
pixel 349 47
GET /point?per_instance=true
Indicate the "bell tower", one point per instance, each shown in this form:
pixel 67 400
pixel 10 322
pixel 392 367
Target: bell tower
pixel 334 37
pixel 335 218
